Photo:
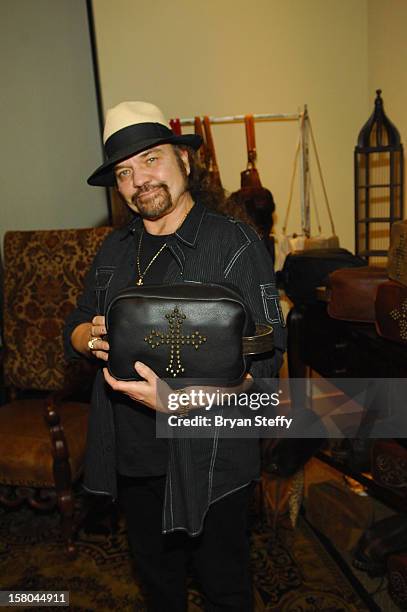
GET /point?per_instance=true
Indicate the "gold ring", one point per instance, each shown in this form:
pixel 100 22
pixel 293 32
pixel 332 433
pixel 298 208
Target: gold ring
pixel 91 342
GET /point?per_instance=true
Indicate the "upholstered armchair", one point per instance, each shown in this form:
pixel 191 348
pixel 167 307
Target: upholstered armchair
pixel 43 425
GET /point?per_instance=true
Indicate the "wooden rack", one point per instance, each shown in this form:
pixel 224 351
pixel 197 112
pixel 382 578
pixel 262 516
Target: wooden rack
pixel 240 118
pixel 303 119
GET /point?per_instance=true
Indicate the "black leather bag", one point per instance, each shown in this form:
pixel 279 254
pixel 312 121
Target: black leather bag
pixel 304 271
pixel 191 330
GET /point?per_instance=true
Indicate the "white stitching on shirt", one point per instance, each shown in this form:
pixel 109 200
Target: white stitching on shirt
pixel 108 269
pixel 196 233
pixel 234 258
pixel 242 229
pixel 103 289
pixel 271 298
pixel 195 533
pixel 174 250
pixel 171 507
pixel 241 249
pixel 212 465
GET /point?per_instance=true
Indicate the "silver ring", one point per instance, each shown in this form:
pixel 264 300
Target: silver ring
pixel 91 342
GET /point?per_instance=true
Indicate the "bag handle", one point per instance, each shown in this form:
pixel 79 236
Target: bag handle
pixel 328 208
pixel 250 141
pixel 175 125
pixel 294 172
pixel 296 157
pixel 213 164
pixel 199 128
pixel 262 342
pixel 203 149
pixel 209 141
pixel 250 178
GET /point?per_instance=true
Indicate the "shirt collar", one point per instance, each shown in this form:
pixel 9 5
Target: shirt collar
pixel 187 233
pixel 189 230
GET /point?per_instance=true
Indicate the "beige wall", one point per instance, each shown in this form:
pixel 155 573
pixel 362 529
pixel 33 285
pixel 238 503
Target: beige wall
pixel 49 130
pixel 387 23
pixel 190 57
pixel 233 57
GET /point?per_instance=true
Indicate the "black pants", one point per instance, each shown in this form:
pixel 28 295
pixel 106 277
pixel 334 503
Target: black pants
pixel 220 555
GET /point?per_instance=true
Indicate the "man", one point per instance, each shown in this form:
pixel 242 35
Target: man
pixel 181 498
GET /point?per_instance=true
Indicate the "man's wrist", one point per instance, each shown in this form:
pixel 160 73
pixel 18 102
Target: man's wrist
pixel 183 408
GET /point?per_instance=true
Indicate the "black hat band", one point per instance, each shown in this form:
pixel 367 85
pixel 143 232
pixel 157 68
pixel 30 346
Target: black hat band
pixel 132 134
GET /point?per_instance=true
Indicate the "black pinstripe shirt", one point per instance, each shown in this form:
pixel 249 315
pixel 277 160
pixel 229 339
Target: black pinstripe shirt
pixel 207 248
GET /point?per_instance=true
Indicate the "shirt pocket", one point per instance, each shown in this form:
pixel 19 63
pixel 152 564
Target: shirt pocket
pixel 271 304
pixel 104 276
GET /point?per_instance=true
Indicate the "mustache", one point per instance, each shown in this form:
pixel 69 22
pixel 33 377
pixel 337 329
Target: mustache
pixel 146 188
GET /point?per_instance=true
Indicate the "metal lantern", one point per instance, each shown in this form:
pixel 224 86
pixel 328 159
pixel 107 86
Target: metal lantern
pixel 378 184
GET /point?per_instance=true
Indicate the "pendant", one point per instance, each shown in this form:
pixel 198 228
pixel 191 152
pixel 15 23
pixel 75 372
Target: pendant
pixel 140 281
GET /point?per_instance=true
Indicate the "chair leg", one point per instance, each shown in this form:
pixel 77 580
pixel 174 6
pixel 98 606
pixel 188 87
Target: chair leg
pixel 62 474
pixel 66 508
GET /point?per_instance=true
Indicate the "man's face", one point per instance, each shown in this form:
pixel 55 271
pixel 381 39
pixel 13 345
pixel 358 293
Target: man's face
pixel 153 181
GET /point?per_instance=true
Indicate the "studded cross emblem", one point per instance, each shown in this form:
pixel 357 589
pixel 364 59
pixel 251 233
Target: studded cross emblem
pixel 400 315
pixel 174 338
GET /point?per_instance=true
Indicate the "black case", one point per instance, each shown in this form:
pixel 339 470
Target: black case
pixel 303 271
pixel 191 331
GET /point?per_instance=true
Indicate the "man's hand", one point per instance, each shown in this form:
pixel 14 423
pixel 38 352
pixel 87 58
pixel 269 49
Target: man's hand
pixel 143 391
pixel 92 333
pixel 153 392
pixel 100 347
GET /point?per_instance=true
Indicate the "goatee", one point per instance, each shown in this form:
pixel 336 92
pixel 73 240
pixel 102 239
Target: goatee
pixel 154 205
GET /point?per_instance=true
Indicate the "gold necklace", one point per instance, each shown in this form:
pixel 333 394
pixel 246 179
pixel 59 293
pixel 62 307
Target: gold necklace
pixel 141 274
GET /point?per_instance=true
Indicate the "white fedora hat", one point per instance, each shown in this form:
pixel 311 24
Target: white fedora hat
pixel 132 127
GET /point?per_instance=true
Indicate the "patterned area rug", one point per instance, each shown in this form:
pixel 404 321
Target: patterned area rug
pixel 292 572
